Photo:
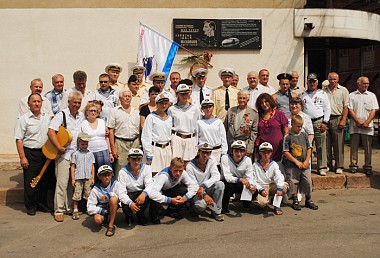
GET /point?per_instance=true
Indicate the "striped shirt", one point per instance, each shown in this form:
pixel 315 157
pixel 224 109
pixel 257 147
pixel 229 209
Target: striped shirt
pixel 83 161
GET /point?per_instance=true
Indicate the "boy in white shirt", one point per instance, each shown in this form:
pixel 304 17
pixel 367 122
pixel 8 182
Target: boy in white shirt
pixel 270 180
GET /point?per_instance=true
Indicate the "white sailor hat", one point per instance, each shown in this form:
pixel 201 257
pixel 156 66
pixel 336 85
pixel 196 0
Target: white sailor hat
pixel 134 152
pixel 238 145
pixel 105 169
pixel 205 147
pixel 158 76
pixel 207 102
pixel 163 96
pixel 265 146
pixel 183 88
pixel 227 72
pixel 201 72
pixel 114 67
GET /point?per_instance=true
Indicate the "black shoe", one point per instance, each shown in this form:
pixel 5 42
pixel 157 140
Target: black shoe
pixel 368 171
pixel 246 205
pixel 311 205
pixel 31 212
pixel 225 211
pixel 142 220
pixel 43 208
pixel 173 214
pixel 129 220
pixel 155 221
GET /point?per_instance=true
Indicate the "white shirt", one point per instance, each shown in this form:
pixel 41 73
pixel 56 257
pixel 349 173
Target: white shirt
pixel 126 125
pixel 271 175
pixel 205 178
pixel 32 131
pixel 136 183
pixel 155 130
pixel 268 87
pixel 316 104
pixel 232 172
pixel 195 94
pixel 98 136
pixel 46 106
pixel 73 125
pixel 212 132
pixel 108 102
pixel 163 181
pixel 254 93
pixel 362 104
pixel 184 118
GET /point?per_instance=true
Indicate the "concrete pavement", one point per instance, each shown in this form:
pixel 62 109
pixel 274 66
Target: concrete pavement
pixel 347 224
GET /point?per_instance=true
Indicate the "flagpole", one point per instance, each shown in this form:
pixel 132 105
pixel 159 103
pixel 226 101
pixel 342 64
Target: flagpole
pixel 182 47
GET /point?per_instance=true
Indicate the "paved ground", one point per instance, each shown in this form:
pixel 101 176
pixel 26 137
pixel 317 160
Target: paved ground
pixel 346 225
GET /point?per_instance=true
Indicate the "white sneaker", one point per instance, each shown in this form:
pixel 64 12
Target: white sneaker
pixel 339 171
pixel 322 172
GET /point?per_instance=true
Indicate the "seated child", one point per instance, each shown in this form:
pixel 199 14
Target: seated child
pixel 270 180
pixel 104 199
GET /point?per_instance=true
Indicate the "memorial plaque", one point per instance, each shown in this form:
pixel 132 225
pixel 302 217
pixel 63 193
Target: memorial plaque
pixel 218 33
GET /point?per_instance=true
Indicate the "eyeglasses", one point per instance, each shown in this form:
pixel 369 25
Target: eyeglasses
pixel 103 81
pixel 93 110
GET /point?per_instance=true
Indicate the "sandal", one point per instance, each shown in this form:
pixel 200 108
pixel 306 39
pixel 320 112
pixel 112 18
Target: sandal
pixel 75 215
pixel 110 230
pixel 296 205
pixel 311 205
pixel 277 211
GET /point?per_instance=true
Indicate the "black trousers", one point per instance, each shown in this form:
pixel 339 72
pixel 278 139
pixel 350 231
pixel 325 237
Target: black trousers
pixel 229 190
pixel 172 192
pixel 133 195
pixel 34 196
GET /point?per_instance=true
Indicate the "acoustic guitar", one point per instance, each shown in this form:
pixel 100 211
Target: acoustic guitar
pixel 64 137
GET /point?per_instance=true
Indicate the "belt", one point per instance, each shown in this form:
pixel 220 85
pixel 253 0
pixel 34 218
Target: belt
pixel 161 145
pixel 316 119
pixel 33 149
pixel 335 116
pixel 183 136
pixel 217 147
pixel 126 139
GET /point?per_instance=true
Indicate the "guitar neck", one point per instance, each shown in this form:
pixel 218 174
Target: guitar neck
pixel 37 178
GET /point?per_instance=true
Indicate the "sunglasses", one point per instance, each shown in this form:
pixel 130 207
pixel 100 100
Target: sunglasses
pixel 103 81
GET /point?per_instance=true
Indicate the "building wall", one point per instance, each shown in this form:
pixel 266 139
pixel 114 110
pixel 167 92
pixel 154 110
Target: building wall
pixel 40 42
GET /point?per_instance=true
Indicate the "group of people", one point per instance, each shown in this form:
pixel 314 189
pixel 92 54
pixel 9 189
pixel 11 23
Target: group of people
pixel 141 145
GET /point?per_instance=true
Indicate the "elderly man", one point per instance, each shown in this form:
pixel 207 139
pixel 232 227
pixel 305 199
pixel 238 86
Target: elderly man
pixel 295 90
pixel 58 95
pixel 106 94
pixel 264 79
pixel 200 91
pixel 80 82
pixel 317 106
pixel 338 97
pixel 72 119
pixel 235 81
pixel 254 89
pixel 225 96
pixel 158 80
pixel 36 86
pixel 144 86
pixel 175 78
pixel 283 94
pixel 241 123
pixel 362 108
pixel 31 134
pixel 123 123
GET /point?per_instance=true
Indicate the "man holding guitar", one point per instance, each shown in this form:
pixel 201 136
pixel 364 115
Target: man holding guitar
pixel 72 118
pixel 31 134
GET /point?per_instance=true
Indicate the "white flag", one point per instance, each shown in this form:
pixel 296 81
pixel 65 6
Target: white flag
pixel 155 51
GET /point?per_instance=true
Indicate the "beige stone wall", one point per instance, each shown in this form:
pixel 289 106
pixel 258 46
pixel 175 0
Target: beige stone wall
pixel 42 42
pixel 152 4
